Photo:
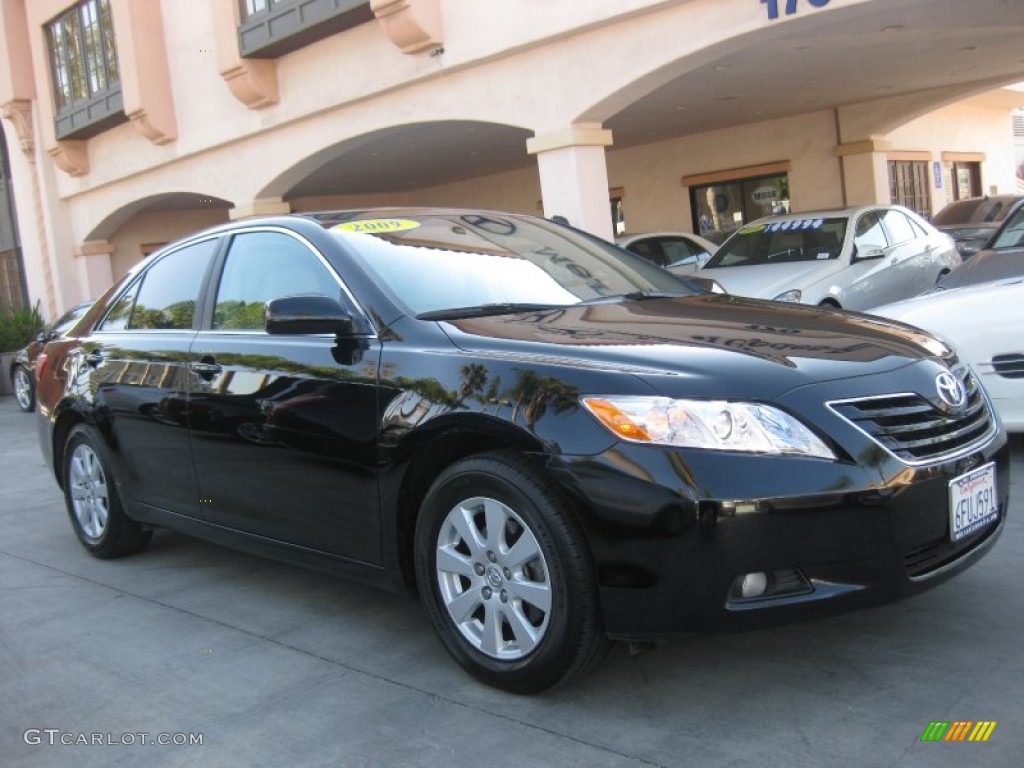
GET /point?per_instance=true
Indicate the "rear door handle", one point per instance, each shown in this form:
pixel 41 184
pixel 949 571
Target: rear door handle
pixel 206 367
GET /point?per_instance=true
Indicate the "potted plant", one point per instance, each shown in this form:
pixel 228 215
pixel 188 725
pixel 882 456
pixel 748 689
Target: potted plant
pixel 17 329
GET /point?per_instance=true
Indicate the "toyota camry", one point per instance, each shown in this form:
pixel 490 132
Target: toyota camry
pixel 548 439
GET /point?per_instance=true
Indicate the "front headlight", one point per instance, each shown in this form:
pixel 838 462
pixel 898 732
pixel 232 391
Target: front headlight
pixel 791 295
pixel 713 424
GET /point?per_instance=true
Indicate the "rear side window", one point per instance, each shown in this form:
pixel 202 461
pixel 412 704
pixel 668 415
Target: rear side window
pixel 899 226
pixel 164 298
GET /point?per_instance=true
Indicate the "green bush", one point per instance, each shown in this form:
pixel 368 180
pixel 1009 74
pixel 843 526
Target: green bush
pixel 19 327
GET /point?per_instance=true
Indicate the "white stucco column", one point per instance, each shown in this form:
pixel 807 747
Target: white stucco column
pixel 865 172
pixel 95 273
pixel 574 176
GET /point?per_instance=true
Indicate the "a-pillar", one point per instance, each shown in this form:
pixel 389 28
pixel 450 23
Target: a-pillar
pixel 865 172
pixel 574 176
pixel 95 273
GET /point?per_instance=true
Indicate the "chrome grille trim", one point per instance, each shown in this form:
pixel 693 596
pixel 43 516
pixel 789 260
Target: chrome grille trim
pixel 1009 366
pixel 916 432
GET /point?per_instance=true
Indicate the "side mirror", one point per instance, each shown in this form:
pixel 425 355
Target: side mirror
pixel 307 314
pixel 870 252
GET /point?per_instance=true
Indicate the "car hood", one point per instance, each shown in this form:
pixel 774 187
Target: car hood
pixel 767 281
pixel 985 266
pixel 986 306
pixel 721 346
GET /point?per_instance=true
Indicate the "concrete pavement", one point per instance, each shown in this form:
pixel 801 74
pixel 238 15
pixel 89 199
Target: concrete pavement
pixel 272 665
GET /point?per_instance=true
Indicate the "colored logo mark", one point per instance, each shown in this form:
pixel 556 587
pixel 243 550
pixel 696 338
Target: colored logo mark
pixel 959 730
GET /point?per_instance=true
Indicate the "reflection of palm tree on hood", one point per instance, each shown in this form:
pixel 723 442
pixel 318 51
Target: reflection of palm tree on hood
pixel 474 379
pixel 535 393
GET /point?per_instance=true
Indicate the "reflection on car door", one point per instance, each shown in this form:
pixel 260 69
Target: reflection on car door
pixel 875 281
pixel 295 415
pixel 138 358
pixel 914 269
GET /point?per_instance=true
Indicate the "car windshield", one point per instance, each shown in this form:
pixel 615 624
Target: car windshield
pixel 975 211
pixel 774 242
pixel 464 263
pixel 1012 233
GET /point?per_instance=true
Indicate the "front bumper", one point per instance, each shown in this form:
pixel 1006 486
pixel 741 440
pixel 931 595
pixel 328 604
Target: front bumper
pixel 672 530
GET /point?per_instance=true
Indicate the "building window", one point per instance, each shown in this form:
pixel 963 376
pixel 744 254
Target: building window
pixel 272 28
pixel 84 70
pixel 909 185
pixel 13 293
pixel 721 208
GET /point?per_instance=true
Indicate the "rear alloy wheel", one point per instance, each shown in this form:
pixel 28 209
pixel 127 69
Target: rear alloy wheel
pixel 24 389
pixel 505 575
pixel 92 501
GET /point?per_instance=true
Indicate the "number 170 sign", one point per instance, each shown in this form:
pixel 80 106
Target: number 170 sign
pixel 789 7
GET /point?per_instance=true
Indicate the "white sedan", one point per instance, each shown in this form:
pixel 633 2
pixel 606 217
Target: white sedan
pixel 856 258
pixel 984 323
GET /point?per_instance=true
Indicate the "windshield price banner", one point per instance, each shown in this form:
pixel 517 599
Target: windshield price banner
pixel 789 7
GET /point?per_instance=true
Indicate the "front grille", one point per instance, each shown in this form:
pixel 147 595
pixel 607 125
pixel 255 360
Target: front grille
pixel 925 559
pixel 1010 366
pixel 913 429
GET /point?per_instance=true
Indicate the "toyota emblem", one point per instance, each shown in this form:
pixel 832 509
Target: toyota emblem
pixel 950 390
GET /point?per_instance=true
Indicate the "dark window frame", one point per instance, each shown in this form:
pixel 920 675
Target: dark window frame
pixel 269 29
pixel 85 74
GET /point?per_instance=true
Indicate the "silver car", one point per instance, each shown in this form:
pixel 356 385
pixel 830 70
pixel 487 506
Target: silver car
pixel 856 258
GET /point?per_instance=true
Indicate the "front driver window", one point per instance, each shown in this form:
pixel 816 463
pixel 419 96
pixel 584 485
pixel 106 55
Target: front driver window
pixel 262 266
pixel 869 233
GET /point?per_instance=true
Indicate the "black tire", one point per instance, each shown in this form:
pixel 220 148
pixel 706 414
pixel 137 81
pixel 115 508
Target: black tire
pixel 93 503
pixel 24 389
pixel 829 304
pixel 543 612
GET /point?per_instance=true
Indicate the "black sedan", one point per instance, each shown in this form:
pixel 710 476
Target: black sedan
pixel 23 367
pixel 972 222
pixel 551 440
pixel 1002 257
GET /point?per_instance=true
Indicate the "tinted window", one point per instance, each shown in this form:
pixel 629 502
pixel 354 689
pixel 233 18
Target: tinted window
pixel 869 232
pixel 170 288
pixel 262 266
pixel 1012 233
pixel 650 250
pixel 899 226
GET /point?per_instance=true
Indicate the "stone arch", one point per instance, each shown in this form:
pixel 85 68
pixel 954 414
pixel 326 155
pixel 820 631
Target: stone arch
pixel 401 157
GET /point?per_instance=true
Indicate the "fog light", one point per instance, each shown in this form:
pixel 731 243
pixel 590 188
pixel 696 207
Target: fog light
pixel 754 584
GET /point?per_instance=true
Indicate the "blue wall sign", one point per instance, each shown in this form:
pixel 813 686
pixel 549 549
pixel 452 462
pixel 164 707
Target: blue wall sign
pixel 790 6
pixel 937 171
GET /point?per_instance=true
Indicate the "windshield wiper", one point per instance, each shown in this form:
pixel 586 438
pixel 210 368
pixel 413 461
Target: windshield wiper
pixel 633 296
pixel 483 310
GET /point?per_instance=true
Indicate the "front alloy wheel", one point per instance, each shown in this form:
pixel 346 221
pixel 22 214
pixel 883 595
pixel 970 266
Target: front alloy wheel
pixel 506 575
pixel 493 578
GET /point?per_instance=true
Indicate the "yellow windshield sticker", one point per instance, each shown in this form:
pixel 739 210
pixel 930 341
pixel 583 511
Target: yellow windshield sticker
pixel 749 230
pixel 377 226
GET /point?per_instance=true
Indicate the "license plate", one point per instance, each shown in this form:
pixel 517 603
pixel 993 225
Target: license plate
pixel 973 503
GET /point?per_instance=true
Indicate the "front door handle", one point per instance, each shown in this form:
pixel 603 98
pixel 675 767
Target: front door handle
pixel 93 358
